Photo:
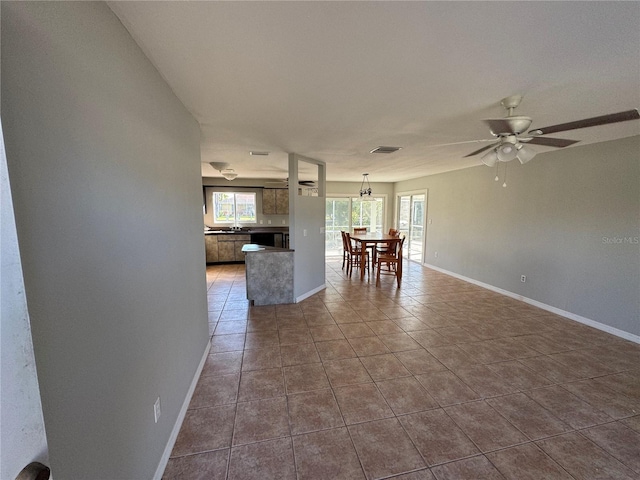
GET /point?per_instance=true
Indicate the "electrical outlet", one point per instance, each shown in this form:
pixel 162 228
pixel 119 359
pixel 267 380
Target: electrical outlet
pixel 156 410
pixel 304 232
pixel 435 254
pixel 284 222
pixel 268 222
pixel 523 278
pixel 261 222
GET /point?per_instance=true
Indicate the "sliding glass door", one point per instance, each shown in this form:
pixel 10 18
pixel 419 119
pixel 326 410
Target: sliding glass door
pixel 411 217
pixel 344 213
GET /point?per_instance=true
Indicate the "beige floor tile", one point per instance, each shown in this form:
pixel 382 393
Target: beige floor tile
pixel 367 346
pixel 196 434
pixel 326 332
pixel 383 362
pixel 528 416
pixel 485 426
pixel 271 459
pixel 299 354
pixel 437 437
pixel 261 358
pixel 293 336
pixel 582 458
pixel 406 395
pixel 261 420
pixel 213 391
pixel 304 378
pixel 222 364
pixel 348 371
pixel 382 367
pixel 335 350
pixel 446 388
pixel 568 407
pixel 619 441
pixel 383 327
pixel 328 454
pixel 603 398
pixel 384 448
pixel 472 468
pixel 527 462
pixel 259 384
pixel 227 343
pixel 483 380
pixel 203 466
pixel 362 403
pixel 356 330
pixel 419 361
pixel 312 411
pixel 399 342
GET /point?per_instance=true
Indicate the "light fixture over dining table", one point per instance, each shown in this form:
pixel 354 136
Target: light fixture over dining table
pixel 365 193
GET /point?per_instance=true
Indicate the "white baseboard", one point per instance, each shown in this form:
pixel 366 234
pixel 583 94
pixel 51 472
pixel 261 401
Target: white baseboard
pixel 183 411
pixel 563 313
pixel 311 292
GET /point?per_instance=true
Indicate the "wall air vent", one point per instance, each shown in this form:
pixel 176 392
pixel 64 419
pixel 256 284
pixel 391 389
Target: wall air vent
pixel 385 149
pixel 259 154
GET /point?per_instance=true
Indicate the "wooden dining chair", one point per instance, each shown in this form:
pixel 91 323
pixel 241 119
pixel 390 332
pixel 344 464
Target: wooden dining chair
pixel 345 249
pixel 359 230
pixel 393 258
pixel 384 247
pixel 354 256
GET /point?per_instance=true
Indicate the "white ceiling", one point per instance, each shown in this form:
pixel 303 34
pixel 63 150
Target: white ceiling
pixel 333 80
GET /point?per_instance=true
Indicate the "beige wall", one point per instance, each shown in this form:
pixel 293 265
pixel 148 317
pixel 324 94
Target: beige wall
pixel 104 164
pixel 568 220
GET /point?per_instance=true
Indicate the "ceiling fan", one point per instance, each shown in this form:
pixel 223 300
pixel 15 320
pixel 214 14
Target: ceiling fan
pixel 512 141
pixel 284 183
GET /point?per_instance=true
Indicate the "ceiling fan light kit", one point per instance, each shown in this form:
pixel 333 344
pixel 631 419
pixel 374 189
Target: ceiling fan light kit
pixel 511 137
pixel 229 174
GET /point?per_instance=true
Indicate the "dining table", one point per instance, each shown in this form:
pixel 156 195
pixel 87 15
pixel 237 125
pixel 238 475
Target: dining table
pixel 372 239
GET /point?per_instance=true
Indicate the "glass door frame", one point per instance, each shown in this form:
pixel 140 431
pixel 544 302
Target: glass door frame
pixel 423 246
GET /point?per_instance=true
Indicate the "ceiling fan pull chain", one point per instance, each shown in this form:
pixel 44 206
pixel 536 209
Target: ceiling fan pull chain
pixel 497 176
pixel 505 176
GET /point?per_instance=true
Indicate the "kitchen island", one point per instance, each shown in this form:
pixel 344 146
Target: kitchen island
pixel 269 273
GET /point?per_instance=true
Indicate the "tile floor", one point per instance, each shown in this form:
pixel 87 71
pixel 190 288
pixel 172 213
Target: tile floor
pixel 440 379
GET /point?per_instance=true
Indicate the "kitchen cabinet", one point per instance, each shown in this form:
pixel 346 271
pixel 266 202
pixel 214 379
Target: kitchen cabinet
pixel 211 248
pixel 275 201
pixel 225 247
pixel 282 202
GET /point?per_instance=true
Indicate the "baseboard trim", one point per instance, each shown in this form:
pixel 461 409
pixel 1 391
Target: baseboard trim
pixel 311 292
pixel 183 411
pixel 563 313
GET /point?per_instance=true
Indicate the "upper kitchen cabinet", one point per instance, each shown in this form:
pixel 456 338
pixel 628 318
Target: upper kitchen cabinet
pixel 275 201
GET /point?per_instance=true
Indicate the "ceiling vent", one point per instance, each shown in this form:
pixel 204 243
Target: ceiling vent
pixel 259 154
pixel 385 149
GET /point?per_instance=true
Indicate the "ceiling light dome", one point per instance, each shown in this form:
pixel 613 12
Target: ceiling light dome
pixel 490 158
pixel 506 152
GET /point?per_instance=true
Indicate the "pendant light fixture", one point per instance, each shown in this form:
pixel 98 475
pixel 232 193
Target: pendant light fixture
pixel 365 193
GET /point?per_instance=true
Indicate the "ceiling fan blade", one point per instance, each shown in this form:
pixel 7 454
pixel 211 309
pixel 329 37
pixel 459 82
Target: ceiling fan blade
pixel 480 150
pixel 513 125
pixel 462 142
pixel 552 142
pixel 589 122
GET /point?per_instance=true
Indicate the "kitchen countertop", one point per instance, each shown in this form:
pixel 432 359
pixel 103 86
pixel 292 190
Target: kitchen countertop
pixel 252 247
pixel 248 231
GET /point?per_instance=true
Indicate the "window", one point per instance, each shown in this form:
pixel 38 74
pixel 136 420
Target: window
pixel 344 213
pixel 234 208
